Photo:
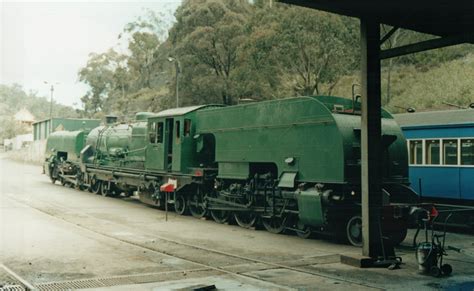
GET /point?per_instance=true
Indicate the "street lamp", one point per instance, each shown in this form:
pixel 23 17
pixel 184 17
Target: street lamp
pixel 178 71
pixel 51 104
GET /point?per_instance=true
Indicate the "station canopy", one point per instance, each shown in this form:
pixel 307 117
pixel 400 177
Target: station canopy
pixel 441 18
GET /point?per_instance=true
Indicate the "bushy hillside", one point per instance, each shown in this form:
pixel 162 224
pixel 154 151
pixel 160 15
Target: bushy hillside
pixel 424 88
pixel 222 51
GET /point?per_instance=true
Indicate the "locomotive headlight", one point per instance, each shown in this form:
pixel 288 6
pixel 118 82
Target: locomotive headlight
pixel 353 193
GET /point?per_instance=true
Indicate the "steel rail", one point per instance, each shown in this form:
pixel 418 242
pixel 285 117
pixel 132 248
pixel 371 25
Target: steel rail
pixel 274 265
pixel 26 284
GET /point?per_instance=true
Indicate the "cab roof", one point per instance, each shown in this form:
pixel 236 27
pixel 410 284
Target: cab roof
pixel 181 110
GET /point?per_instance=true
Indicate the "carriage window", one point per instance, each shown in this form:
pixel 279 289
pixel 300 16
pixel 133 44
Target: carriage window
pixel 450 152
pixel 432 152
pixel 178 129
pixel 467 152
pixel 152 132
pixel 416 152
pixel 159 132
pixel 187 127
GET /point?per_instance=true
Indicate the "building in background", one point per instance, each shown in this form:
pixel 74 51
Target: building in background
pixel 42 129
pixel 25 118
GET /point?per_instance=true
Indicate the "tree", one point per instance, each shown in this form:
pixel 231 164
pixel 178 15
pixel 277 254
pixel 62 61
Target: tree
pixel 208 36
pixel 313 49
pixel 98 74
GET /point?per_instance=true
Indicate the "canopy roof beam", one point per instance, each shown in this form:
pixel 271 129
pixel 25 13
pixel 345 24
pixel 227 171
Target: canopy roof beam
pixel 388 35
pixel 425 45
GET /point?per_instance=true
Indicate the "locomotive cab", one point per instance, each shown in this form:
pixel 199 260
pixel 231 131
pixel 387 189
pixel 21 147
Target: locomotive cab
pixel 171 143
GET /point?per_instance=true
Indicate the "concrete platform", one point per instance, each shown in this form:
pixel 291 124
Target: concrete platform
pixel 56 236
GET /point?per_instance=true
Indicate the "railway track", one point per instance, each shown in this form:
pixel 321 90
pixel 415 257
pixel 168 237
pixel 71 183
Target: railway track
pixel 207 260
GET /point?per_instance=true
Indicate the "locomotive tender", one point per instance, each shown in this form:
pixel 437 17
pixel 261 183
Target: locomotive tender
pixel 288 164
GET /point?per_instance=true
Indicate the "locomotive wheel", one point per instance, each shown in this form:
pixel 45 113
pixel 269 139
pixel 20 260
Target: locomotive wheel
pixel 79 185
pixel 53 172
pixel 220 216
pixel 245 219
pixel 95 187
pixel 197 211
pixel 274 224
pixel 104 189
pixel 180 204
pixel 305 231
pixel 354 231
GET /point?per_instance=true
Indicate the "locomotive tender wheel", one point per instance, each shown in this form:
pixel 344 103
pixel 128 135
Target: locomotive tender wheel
pixel 245 219
pixel 180 204
pixel 354 231
pixel 197 211
pixel 220 216
pixel 274 224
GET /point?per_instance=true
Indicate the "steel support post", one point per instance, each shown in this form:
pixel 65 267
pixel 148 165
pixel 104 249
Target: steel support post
pixel 371 140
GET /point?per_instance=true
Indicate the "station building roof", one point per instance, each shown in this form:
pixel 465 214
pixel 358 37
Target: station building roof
pixel 436 17
pixel 436 118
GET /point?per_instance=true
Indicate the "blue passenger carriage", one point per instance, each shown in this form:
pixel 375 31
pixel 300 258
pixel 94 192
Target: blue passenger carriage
pixel 441 153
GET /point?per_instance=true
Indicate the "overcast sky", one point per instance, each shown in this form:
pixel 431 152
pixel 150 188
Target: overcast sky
pixel 50 41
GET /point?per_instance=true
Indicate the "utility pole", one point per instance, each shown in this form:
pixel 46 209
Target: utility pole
pixel 178 71
pixel 51 105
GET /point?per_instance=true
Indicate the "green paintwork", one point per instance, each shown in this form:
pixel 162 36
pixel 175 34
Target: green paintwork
pixel 310 207
pixel 235 170
pixel 321 138
pixel 287 180
pixel 121 145
pixel 272 131
pixel 184 146
pixel 303 141
pixel 69 142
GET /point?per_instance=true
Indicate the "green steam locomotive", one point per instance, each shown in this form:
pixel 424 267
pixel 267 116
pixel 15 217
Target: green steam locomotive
pixel 287 165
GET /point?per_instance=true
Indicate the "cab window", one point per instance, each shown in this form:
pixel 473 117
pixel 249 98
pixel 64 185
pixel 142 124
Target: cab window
pixel 159 132
pixel 178 128
pixel 187 127
pixel 152 132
